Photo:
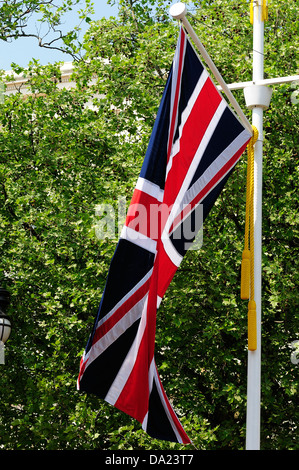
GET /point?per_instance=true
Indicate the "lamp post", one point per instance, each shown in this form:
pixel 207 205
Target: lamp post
pixel 5 323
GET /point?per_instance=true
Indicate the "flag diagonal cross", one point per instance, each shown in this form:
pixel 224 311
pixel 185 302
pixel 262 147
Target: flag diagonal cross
pixel 195 144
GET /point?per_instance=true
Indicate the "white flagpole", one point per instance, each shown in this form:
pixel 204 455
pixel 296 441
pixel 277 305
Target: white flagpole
pixel 178 11
pixel 266 81
pixel 257 98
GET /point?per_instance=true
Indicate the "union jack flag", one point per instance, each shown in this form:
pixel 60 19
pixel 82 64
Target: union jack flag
pixel 195 144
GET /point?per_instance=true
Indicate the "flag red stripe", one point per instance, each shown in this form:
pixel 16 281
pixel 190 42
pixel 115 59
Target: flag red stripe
pixel 167 270
pixel 146 215
pixel 134 396
pixel 121 311
pixel 193 132
pixel 209 186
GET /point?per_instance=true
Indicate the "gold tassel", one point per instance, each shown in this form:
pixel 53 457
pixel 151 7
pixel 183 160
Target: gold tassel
pixel 265 10
pixel 252 325
pixel 245 275
pixel 251 12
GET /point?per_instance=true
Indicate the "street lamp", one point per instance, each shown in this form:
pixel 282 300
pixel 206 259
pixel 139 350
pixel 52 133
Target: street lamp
pixel 5 324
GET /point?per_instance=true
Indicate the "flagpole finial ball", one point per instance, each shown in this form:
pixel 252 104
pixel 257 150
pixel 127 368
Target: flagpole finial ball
pixel 178 10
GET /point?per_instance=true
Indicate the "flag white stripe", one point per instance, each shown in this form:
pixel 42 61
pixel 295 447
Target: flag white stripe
pixel 171 252
pixel 169 248
pixel 195 162
pixel 129 362
pixel 138 239
pixel 125 298
pixel 214 168
pixel 185 115
pixel 120 327
pixel 175 79
pixel 210 173
pixel 158 385
pixel 151 373
pixel 150 188
pixel 117 330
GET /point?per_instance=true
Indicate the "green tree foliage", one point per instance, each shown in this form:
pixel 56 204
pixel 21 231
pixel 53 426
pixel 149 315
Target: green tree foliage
pixel 44 21
pixel 60 157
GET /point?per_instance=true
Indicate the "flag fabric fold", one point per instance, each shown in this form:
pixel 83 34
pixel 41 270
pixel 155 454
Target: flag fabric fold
pixel 195 144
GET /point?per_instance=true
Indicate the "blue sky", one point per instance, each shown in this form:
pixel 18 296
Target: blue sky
pixel 21 51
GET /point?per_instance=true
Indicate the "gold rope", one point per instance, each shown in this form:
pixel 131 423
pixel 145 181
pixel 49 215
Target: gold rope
pixel 264 11
pixel 247 266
